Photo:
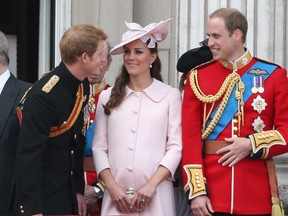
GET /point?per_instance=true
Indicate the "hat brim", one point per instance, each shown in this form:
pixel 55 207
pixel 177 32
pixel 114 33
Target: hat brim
pixel 161 27
pixel 193 58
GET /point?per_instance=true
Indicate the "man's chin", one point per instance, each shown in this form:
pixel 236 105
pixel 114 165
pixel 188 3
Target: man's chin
pixel 93 80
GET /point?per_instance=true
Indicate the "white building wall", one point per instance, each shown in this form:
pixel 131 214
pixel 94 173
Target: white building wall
pixel 108 15
pixel 267 25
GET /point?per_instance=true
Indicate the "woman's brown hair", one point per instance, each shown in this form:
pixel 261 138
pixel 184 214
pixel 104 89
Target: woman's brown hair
pixel 118 90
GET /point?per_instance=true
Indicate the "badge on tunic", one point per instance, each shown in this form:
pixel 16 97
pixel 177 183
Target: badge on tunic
pixel 50 84
pixel 258 124
pixel 258 72
pixel 259 104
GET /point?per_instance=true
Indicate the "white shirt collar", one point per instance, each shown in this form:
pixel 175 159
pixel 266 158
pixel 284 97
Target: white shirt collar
pixel 3 79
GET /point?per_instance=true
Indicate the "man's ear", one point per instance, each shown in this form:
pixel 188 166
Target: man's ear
pixel 238 34
pixel 84 57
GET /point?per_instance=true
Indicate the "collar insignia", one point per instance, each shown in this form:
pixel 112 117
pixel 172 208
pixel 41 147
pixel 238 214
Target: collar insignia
pixel 238 63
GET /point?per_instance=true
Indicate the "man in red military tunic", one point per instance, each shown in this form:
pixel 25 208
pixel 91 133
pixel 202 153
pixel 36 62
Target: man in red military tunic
pixel 235 119
pixel 94 188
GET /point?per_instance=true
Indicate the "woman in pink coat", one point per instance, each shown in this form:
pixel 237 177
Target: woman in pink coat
pixel 137 143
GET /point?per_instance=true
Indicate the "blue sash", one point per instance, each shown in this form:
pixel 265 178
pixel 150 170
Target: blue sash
pixel 232 104
pixel 89 139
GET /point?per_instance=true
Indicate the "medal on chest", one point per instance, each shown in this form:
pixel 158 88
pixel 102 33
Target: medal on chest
pixel 257 84
pixel 91 104
pixel 258 105
pixel 258 124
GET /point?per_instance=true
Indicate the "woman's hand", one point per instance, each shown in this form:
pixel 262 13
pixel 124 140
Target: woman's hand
pixel 116 191
pixel 119 197
pixel 146 192
pixel 143 197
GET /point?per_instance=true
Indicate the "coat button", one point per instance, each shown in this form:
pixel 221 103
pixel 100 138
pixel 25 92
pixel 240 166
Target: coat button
pixel 22 211
pixel 71 172
pixel 72 152
pixel 130 169
pixel 131 148
pixel 75 136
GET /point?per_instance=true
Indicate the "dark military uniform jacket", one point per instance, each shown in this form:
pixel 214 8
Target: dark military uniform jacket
pixel 49 169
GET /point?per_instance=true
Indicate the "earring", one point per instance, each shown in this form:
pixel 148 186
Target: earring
pixel 150 65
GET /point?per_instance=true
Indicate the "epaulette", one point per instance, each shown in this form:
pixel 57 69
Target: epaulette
pixel 269 62
pixel 202 65
pixel 50 84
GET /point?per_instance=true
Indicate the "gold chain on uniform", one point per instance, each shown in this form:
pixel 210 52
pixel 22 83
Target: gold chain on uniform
pixel 226 90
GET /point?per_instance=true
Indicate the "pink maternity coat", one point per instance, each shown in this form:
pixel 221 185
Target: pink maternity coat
pixel 138 136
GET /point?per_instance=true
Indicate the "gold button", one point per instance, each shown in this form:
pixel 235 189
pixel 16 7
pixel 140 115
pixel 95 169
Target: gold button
pixel 21 207
pixel 71 172
pixel 72 152
pixel 75 136
pixel 22 211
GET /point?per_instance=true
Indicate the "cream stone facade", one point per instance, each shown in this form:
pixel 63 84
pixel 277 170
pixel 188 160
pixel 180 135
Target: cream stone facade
pixel 267 34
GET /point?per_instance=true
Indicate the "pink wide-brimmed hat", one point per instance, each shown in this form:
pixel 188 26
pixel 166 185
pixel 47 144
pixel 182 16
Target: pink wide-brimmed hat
pixel 156 32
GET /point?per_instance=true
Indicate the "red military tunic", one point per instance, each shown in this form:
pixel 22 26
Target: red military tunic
pixel 95 90
pixel 244 188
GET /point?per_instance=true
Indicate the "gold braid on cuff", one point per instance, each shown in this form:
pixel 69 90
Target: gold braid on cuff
pixel 195 182
pixel 264 140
